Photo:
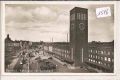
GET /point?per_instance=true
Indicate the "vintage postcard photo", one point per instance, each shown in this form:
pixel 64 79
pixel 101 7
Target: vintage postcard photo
pixel 58 38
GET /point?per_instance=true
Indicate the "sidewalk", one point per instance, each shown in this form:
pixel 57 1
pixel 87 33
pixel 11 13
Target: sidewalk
pixel 95 69
pixel 59 61
pixel 11 66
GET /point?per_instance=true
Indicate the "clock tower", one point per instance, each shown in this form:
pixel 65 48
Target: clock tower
pixel 79 35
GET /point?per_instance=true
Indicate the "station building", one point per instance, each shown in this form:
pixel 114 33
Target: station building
pixel 78 52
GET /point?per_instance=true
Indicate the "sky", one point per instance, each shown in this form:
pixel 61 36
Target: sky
pixel 42 22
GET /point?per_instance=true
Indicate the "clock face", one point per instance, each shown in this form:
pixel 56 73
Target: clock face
pixel 81 26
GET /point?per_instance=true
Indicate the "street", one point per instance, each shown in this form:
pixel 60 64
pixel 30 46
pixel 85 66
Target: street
pixel 34 61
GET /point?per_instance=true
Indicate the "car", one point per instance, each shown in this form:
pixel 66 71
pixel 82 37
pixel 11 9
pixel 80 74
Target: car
pixel 62 60
pixel 50 58
pixel 65 65
pixel 46 65
pixel 91 70
pixel 51 66
pixel 81 66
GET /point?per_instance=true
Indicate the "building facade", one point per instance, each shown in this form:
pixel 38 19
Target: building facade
pixel 101 56
pixel 10 45
pixel 59 50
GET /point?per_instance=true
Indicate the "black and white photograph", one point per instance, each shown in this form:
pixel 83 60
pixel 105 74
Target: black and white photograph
pixel 59 38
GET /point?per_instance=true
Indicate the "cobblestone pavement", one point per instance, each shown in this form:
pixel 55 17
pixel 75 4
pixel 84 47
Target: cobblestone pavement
pixel 33 66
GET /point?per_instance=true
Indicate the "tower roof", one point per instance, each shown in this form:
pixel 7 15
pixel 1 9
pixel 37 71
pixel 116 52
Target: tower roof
pixel 8 38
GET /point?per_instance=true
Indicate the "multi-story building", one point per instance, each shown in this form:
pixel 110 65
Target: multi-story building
pixel 11 50
pixel 16 45
pixel 11 45
pixel 59 50
pixel 101 55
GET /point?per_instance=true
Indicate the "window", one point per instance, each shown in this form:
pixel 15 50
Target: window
pixel 89 59
pixel 91 50
pixel 101 58
pixel 96 51
pixel 109 59
pixel 78 16
pixel 72 16
pixel 91 56
pixel 105 58
pixel 85 17
pixel 96 57
pixel 104 52
pixel 99 62
pixel 82 17
pixel 108 53
pixel 67 51
pixel 66 55
pixel 108 65
pixel 101 52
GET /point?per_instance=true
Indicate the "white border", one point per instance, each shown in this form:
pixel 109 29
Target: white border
pixel 57 2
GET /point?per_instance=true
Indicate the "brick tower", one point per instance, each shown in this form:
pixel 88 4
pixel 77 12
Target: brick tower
pixel 78 35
